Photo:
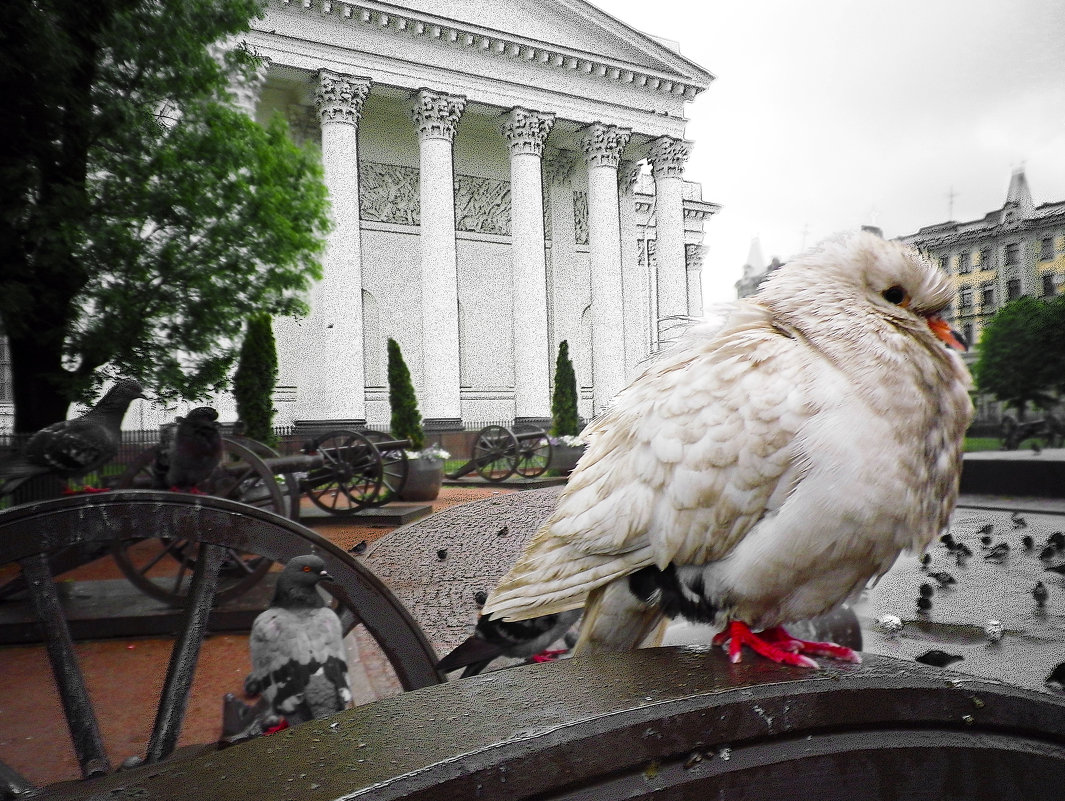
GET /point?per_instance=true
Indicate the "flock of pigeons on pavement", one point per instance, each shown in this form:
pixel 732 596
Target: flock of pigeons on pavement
pixel 764 468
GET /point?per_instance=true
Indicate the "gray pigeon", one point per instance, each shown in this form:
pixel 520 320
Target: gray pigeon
pixel 192 453
pixel 73 448
pixel 518 639
pixel 299 664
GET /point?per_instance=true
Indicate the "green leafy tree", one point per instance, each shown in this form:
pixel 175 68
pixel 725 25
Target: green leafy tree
pixel 143 217
pixel 565 421
pixel 253 383
pixel 406 419
pixel 1016 362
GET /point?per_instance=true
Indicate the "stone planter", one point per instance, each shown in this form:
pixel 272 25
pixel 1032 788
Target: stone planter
pixel 564 457
pixel 424 478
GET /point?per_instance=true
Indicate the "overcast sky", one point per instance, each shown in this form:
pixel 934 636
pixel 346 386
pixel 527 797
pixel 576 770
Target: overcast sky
pixel 829 114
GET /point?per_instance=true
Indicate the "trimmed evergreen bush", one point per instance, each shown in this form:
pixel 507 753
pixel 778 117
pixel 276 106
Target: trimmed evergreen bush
pixel 253 383
pixel 564 418
pixel 406 419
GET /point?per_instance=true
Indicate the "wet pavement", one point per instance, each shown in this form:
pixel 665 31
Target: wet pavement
pixel 1033 639
pixel 480 540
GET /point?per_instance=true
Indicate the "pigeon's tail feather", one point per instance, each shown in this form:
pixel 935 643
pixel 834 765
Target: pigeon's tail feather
pixel 470 652
pixel 18 467
pixel 616 620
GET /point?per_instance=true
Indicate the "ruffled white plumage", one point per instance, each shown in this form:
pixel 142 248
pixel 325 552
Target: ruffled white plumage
pixel 790 450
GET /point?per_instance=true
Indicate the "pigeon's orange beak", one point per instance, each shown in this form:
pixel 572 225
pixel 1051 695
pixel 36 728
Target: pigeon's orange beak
pixel 946 334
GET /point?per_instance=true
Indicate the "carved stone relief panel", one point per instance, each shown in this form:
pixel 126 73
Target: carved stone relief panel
pixel 389 193
pixel 693 256
pixel 482 205
pixel 580 216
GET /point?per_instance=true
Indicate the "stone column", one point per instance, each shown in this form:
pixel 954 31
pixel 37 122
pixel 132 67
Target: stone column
pixel 634 282
pixel 693 257
pixel 526 131
pixel 331 386
pixel 567 300
pixel 603 145
pixel 437 115
pixel 667 157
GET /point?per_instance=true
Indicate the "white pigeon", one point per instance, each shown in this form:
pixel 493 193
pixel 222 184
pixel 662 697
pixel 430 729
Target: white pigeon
pixel 298 660
pixel 764 469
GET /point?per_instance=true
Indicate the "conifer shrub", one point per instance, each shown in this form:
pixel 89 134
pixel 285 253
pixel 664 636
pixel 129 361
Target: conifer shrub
pixel 406 419
pixel 565 421
pixel 253 383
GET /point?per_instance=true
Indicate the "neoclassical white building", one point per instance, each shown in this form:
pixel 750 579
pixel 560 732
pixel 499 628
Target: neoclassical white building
pixel 503 177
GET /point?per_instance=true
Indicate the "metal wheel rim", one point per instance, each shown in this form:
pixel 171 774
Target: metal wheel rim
pixel 496 453
pixel 254 485
pixel 394 468
pixel 534 455
pixel 350 477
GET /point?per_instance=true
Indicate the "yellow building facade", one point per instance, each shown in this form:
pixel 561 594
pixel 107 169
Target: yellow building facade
pixel 1016 250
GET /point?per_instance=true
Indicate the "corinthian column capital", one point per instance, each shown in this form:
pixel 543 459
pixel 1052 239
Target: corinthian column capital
pixel 436 114
pixel 339 97
pixel 526 130
pixel 667 156
pixel 603 144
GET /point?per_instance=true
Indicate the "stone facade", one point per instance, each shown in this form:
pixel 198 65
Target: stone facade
pixel 502 177
pixel 1016 250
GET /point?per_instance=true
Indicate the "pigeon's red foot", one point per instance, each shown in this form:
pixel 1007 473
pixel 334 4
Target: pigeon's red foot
pixel 548 656
pixel 84 490
pixel 780 637
pixel 281 726
pixel 739 634
pixel 189 490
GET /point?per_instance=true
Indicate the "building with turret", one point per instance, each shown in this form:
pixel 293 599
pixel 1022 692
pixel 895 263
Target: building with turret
pixel 1018 249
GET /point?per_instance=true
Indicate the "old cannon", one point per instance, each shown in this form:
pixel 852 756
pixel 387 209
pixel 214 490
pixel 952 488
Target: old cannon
pixel 1014 432
pixel 499 453
pixel 341 472
pixel 213 529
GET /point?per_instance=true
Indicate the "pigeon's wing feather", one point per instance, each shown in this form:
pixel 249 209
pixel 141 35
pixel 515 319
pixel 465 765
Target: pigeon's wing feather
pixel 288 648
pixel 72 447
pixel 687 460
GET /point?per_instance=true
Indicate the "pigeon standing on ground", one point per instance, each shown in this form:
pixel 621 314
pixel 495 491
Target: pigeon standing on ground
pixel 299 664
pixel 938 658
pixel 496 638
pixel 766 467
pixel 193 452
pixel 73 448
pixel 1056 679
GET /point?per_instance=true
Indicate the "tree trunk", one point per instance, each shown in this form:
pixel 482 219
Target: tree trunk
pixel 39 401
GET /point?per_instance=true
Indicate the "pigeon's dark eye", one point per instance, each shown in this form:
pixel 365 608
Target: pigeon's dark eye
pixel 896 295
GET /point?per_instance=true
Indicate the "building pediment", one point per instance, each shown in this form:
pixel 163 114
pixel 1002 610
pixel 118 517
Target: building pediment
pixel 570 39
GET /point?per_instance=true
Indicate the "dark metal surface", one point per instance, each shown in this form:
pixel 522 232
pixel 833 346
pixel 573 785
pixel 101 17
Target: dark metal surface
pixel 137 514
pixel 186 652
pixel 667 723
pixel 29 532
pixel 81 719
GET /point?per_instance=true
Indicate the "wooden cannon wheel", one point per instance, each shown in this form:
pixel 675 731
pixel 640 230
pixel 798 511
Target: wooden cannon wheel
pixel 534 451
pixel 351 476
pixel 495 452
pixel 166 573
pixel 214 526
pixel 394 467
